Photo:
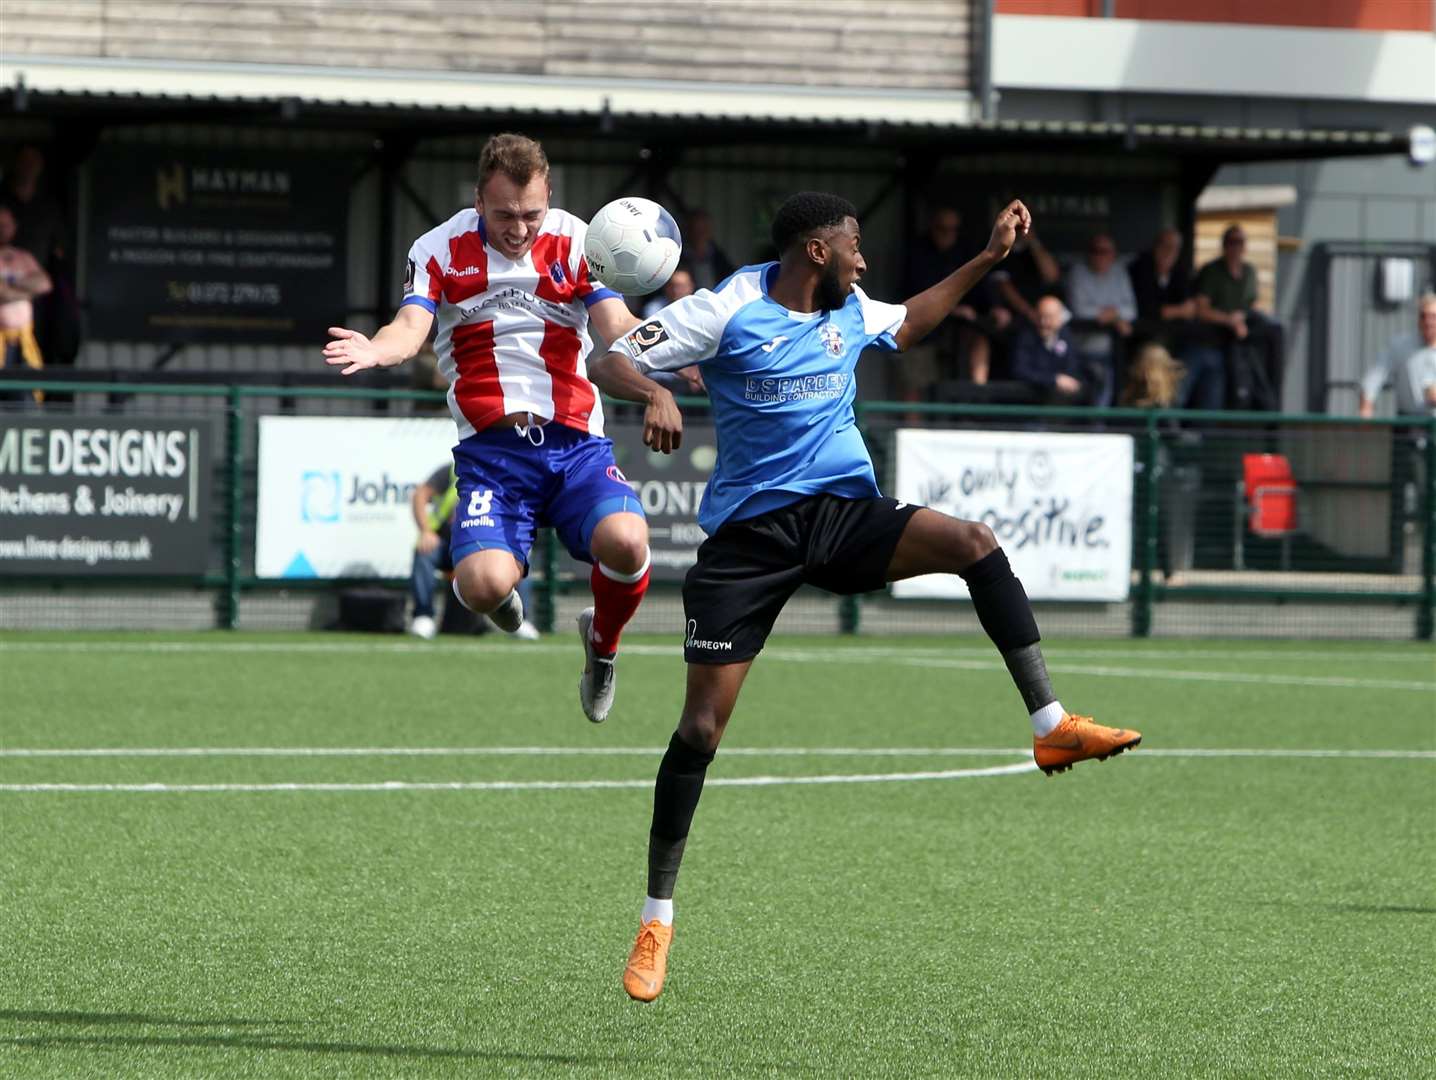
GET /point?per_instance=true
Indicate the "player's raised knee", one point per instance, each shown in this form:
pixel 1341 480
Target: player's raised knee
pixel 975 541
pixel 621 543
pixel 483 586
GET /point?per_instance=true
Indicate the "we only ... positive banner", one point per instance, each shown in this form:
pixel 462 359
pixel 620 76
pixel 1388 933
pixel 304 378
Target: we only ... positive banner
pixel 1059 504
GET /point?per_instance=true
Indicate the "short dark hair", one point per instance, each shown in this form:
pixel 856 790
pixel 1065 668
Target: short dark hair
pixel 806 213
pixel 516 156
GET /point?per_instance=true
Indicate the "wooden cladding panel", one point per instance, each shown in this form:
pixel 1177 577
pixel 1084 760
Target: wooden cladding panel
pixel 916 44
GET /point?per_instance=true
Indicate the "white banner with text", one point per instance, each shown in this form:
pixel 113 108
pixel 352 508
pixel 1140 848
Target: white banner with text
pixel 1060 505
pixel 335 492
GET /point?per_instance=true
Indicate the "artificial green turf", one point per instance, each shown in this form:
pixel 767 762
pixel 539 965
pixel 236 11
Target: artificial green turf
pixel 1149 916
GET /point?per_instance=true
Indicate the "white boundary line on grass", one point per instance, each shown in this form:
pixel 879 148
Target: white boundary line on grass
pixel 657 751
pixel 1014 769
pixel 787 654
pixel 527 785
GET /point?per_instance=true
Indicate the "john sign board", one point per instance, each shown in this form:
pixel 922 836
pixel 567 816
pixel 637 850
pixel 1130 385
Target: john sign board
pixel 335 493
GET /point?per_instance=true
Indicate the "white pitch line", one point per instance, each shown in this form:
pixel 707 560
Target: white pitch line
pixel 657 751
pixel 901 657
pixel 524 785
pixel 472 647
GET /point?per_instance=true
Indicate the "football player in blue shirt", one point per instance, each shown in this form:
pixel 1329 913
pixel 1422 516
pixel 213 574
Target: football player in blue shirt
pixel 794 500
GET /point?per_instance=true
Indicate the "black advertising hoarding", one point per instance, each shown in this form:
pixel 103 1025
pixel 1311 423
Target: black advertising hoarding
pixel 104 495
pixel 669 487
pixel 190 244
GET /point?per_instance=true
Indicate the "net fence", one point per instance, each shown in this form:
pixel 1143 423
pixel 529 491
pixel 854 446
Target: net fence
pixel 1202 524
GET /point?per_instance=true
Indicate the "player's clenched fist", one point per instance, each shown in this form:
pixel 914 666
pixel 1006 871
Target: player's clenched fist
pixel 662 423
pixel 1015 221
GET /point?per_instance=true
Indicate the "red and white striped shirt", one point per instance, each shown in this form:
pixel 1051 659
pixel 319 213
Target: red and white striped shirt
pixel 512 336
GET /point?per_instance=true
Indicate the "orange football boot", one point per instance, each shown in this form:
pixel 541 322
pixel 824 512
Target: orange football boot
pixel 648 962
pixel 1077 738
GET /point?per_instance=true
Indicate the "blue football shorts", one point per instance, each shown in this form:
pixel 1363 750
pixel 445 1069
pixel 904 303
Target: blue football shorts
pixel 509 487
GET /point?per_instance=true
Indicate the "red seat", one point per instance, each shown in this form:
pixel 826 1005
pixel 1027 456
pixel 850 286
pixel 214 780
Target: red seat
pixel 1268 499
pixel 1271 494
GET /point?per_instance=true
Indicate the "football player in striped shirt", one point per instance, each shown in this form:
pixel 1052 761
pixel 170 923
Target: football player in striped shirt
pixel 514 303
pixel 794 500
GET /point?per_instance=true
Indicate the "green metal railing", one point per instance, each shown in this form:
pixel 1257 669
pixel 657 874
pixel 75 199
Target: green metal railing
pixel 1152 429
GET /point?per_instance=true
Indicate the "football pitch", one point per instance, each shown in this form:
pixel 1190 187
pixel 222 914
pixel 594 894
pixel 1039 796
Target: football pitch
pixel 343 856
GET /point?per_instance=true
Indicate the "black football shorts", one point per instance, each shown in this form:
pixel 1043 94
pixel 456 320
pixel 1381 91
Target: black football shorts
pixel 748 569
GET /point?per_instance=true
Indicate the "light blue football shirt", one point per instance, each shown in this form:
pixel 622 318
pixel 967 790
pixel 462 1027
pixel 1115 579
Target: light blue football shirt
pixel 782 384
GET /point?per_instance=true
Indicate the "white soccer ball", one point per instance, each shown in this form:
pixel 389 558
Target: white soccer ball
pixel 632 246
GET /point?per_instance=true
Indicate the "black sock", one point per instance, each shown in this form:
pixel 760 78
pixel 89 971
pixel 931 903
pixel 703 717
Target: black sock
pixel 1006 614
pixel 675 798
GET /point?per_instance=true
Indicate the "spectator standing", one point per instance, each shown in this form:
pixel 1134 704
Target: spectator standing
pixel 935 254
pixel 22 278
pixel 39 221
pixel 40 230
pixel 1046 357
pixel 1166 312
pixel 1030 273
pixel 1100 293
pixel 1409 365
pixel 679 285
pixel 707 261
pixel 1161 285
pixel 1226 296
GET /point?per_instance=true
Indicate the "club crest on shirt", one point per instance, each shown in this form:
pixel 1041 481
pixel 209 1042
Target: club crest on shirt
pixel 615 473
pixel 555 271
pixel 832 339
pixel 648 335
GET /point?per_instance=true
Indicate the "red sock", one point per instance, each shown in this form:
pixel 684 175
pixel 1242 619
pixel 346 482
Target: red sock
pixel 614 603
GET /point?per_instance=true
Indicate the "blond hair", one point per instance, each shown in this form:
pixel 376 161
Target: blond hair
pixel 1153 379
pixel 516 156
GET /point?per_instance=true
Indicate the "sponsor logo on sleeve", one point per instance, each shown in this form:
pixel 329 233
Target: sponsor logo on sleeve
pixel 409 272
pixel 647 336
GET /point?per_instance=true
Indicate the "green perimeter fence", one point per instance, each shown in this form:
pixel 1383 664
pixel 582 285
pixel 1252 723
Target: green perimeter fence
pixel 1347 548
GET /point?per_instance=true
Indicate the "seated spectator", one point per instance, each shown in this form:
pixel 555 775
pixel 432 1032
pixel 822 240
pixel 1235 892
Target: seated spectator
pixel 1226 294
pixel 706 260
pixel 1160 283
pixel 933 256
pixel 1100 291
pixel 1047 358
pixel 1154 379
pixel 1028 274
pixel 21 280
pixel 1409 366
pixel 433 504
pixel 679 285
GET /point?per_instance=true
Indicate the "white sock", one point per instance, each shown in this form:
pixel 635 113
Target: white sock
pixel 1047 718
pixel 460 596
pixel 662 910
pixel 628 579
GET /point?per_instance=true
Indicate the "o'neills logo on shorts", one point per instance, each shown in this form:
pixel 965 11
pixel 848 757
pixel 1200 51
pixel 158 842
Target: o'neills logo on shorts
pixel 694 642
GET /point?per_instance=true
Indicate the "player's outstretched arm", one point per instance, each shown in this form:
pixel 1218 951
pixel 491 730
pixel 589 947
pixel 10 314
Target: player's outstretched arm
pixel 394 343
pixel 616 376
pixel 931 306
